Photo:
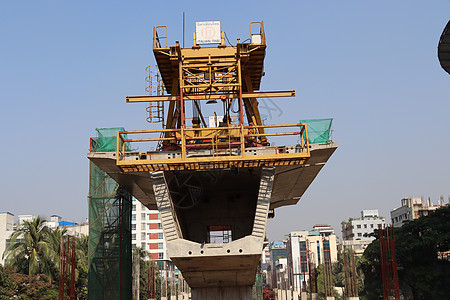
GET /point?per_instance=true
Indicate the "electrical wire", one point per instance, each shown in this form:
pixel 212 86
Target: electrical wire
pixel 228 39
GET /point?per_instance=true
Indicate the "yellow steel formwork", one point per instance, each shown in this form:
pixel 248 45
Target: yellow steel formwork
pixel 225 149
pixel 207 73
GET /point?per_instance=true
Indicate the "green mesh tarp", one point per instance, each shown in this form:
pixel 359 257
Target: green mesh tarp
pixel 110 273
pixel 257 287
pixel 318 130
pixel 107 140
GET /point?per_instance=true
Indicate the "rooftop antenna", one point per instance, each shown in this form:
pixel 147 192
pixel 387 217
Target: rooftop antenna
pixel 183 27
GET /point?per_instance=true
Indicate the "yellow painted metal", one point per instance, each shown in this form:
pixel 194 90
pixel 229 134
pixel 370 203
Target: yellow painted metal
pixel 210 73
pixel 154 87
pixel 227 137
pixel 267 94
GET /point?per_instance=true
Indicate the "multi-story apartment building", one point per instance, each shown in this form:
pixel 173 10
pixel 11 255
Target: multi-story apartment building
pixel 277 250
pixel 147 232
pixel 413 208
pixel 6 229
pixel 304 247
pixel 356 232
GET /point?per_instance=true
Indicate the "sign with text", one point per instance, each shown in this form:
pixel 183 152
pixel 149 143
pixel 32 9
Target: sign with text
pixel 207 32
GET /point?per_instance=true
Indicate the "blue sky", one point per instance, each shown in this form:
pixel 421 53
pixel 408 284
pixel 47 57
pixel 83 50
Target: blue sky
pixel 67 66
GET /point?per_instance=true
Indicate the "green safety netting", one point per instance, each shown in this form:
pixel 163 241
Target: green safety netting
pixel 318 130
pixel 107 140
pixel 110 272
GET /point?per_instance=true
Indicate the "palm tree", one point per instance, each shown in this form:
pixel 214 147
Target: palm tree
pixel 30 251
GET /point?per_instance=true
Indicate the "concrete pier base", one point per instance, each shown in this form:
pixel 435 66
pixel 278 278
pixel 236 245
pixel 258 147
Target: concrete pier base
pixel 330 298
pixel 352 298
pixel 222 293
pixel 314 296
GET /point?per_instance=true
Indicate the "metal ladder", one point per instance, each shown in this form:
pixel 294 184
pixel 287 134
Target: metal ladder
pixel 155 87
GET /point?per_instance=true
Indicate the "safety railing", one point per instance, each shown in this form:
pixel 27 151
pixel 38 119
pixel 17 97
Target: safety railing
pixel 255 36
pixel 211 145
pixel 159 35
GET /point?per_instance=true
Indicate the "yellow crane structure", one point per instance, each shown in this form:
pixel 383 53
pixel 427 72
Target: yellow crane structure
pixel 227 74
pixel 213 177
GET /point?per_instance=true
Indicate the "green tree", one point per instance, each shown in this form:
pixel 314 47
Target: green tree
pixel 81 252
pixel 30 251
pixel 423 268
pixel 321 283
pixel 7 286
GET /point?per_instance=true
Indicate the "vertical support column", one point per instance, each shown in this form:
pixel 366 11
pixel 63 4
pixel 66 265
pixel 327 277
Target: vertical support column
pixel 72 272
pixel 241 106
pixel 180 78
pixel 394 266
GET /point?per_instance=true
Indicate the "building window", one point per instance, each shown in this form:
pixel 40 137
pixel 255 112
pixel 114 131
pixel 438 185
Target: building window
pixel 134 207
pixel 303 257
pixel 160 246
pixel 160 255
pixel 358 226
pixel 318 252
pixel 133 246
pixel 133 217
pixel 371 225
pixel 359 234
pixel 326 251
pixel 143 246
pixel 219 234
pixel 133 236
pixel 142 226
pixel 365 225
pixel 159 226
pixel 133 226
pixel 143 216
pixel 143 236
pixel 160 236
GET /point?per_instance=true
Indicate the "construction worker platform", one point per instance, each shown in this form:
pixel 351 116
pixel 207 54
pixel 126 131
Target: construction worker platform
pixel 291 179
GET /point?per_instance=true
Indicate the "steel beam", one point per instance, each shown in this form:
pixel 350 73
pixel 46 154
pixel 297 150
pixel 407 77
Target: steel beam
pixel 271 94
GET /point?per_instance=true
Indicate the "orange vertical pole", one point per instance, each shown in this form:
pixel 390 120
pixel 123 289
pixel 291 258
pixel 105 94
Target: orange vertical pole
pixel 72 272
pixel 394 266
pixel 61 270
pixel 383 262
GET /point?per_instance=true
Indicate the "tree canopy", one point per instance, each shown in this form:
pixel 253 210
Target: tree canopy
pixel 422 247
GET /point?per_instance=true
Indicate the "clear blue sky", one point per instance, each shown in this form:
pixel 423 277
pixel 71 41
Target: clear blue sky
pixel 67 66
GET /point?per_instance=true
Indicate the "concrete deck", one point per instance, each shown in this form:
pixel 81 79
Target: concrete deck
pixel 290 182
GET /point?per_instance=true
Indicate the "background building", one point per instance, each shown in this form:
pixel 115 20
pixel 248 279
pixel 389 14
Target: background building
pixel 413 208
pixel 147 232
pixel 6 229
pixel 277 250
pixel 356 232
pixel 317 245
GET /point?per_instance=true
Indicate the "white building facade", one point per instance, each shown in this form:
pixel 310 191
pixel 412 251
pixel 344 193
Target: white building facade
pixel 6 229
pixel 315 246
pixel 147 232
pixel 413 208
pixel 356 232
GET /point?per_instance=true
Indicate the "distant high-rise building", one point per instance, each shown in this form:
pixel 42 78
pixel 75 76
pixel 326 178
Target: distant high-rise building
pixel 277 250
pixel 315 246
pixel 413 208
pixel 147 232
pixel 356 232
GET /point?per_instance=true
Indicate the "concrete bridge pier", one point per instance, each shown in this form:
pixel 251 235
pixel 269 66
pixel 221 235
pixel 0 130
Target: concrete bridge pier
pixel 234 201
